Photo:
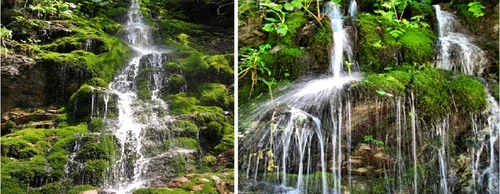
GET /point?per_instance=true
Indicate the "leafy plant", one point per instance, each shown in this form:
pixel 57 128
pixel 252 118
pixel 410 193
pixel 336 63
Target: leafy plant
pixel 252 62
pixel 393 11
pixel 476 8
pixel 369 139
pixel 277 25
pixel 348 65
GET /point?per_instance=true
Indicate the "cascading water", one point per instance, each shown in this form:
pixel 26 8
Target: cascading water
pixel 136 117
pixel 457 50
pixel 459 53
pixel 299 122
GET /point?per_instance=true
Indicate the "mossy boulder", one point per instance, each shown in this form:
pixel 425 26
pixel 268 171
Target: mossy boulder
pixel 175 83
pixel 213 94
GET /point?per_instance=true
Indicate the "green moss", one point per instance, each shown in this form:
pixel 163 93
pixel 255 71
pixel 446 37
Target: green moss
pixel 182 104
pixel 175 83
pixel 143 91
pixel 183 142
pixel 293 21
pixel 80 104
pixel 227 143
pixel 96 125
pixel 209 160
pixel 95 170
pixel 378 49
pixel 187 127
pixel 195 66
pixel 96 147
pixel 417 45
pixel 97 82
pixel 81 188
pixel 468 94
pixel 437 92
pixel 213 94
pixel 320 45
pixel 51 188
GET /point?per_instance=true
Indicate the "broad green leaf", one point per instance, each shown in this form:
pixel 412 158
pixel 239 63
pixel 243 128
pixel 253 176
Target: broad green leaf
pixel 268 27
pixel 282 30
pixel 296 4
pixel 288 6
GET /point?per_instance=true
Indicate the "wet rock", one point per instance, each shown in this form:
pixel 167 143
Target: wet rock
pixel 158 184
pixel 12 62
pixel 95 45
pixel 249 35
pixel 177 182
pixel 305 33
pixel 40 85
pixel 54 29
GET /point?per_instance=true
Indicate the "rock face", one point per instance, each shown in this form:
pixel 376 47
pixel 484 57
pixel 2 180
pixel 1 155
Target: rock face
pixel 40 85
pixel 29 118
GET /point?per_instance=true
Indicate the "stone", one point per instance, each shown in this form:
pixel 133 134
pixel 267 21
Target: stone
pixel 226 159
pixel 196 188
pixel 90 192
pixel 204 180
pixel 177 182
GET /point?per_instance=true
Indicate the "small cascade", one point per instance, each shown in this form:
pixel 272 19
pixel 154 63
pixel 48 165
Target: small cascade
pixel 353 8
pixel 459 53
pixel 442 132
pixel 309 116
pixel 414 143
pixel 457 50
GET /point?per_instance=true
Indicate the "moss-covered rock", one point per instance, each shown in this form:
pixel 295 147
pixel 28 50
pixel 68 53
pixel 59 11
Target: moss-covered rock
pixel 175 83
pixel 213 94
pixel 417 45
pixel 437 92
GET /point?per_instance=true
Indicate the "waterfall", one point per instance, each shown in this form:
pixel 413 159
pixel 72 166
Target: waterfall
pixel 457 50
pixel 136 117
pixel 459 53
pixel 304 116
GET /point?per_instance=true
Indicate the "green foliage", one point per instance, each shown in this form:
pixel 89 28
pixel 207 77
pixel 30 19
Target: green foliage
pixel 252 62
pixel 476 8
pixel 276 22
pixel 183 38
pixel 209 160
pixel 227 143
pixel 369 139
